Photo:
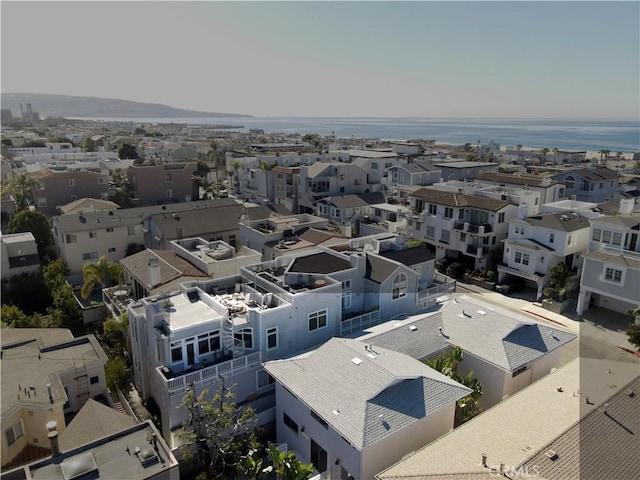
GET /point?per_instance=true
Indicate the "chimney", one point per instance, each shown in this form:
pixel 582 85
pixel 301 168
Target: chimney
pixel 154 272
pixel 626 205
pixel 53 438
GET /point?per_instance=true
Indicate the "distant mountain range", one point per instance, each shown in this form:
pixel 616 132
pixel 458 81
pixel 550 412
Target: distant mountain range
pixel 92 107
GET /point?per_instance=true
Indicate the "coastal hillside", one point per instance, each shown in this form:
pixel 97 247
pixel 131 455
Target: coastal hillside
pixel 48 105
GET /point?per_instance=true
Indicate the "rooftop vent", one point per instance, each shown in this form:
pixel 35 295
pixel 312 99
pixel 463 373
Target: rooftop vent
pixel 413 328
pixel 482 312
pixel 147 455
pixel 551 454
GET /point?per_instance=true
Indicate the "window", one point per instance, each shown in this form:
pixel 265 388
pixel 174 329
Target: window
pixel 569 240
pixel 131 230
pixel 613 275
pixel 72 182
pixel 176 351
pixel 318 457
pixel 522 258
pixel 346 299
pixel 560 194
pixel 445 236
pixel 104 196
pixel 93 234
pixel 606 236
pixel 317 320
pixel 518 230
pixel 501 217
pixel 232 240
pixel 42 202
pixel 40 186
pixel 293 426
pixel 616 239
pixel 552 237
pixel 74 198
pixel 399 286
pixel 245 335
pixel 209 342
pixel 374 165
pixel 90 256
pixel 357 181
pixel 112 249
pixel 461 214
pixel 432 209
pixel 264 379
pixel 596 235
pixel 463 236
pixel 272 338
pixel 15 432
pixel 102 180
pixel 448 212
pixel 601 185
pixel 431 232
pixel 520 370
pixel 569 182
pixel 109 229
pixel 168 193
pixel 167 177
pixel 319 419
pixel 341 189
pixel 70 238
pixel 93 380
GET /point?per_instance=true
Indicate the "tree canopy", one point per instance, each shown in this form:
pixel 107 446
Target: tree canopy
pixel 127 151
pixel 35 222
pixel 19 187
pixel 100 273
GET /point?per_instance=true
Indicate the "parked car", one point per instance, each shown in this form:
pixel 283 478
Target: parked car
pixel 515 284
pixel 456 270
pixel 443 263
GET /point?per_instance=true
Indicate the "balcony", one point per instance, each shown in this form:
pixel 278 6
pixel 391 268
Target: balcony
pixel 359 322
pixel 536 277
pixel 176 382
pixel 430 294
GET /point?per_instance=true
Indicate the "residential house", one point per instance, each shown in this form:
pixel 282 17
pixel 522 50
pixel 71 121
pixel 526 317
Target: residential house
pixel 352 410
pixel 328 179
pixel 463 170
pixel 460 226
pixel 46 374
pixel 549 189
pixel 285 187
pixel 507 351
pixel 272 310
pixel 590 185
pixel 611 269
pixel 409 175
pixel 547 430
pixel 87 205
pixel 385 218
pixel 135 452
pixel 59 187
pixel 348 210
pixel 155 182
pixel 19 254
pixel 536 244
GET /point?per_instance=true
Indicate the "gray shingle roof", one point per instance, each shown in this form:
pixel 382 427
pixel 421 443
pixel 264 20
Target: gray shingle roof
pixel 567 222
pixel 385 383
pixel 501 337
pixel 171 266
pixel 514 179
pixel 355 200
pixel 450 199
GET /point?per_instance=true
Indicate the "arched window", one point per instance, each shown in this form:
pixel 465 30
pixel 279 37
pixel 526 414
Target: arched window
pixel 399 286
pixel 569 182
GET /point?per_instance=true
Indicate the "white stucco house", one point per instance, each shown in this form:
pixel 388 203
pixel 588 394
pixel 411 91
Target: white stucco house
pixel 352 410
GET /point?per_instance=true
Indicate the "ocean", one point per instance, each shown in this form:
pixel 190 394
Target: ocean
pixel 591 135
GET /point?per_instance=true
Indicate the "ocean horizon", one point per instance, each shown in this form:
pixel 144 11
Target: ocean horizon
pixel 590 134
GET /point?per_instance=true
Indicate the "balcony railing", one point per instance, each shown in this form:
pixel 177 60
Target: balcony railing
pixel 430 294
pixel 177 385
pixel 359 323
pixel 520 273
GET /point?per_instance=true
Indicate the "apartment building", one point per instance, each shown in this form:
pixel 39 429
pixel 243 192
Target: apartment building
pixel 536 244
pixel 59 187
pixel 460 226
pixel 46 373
pixel 19 254
pixel 155 182
pixel 285 185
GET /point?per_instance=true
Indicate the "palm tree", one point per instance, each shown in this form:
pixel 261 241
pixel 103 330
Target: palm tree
pixel 604 153
pixel 236 167
pixel 19 187
pixel 544 152
pixel 99 273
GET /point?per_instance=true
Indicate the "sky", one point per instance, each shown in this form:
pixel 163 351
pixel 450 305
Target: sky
pixel 354 59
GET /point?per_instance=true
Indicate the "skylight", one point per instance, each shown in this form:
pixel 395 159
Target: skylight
pixel 356 360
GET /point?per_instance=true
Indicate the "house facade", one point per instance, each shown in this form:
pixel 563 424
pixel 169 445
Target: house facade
pixel 537 243
pixel 19 254
pixel 611 269
pixel 322 180
pixel 155 182
pixel 458 225
pixel 590 185
pixel 550 190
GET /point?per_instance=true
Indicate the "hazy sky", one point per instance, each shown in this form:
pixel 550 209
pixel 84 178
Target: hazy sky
pixel 422 59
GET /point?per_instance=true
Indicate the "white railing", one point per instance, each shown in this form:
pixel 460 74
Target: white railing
pixel 519 273
pixel 359 323
pixel 177 385
pixel 431 293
